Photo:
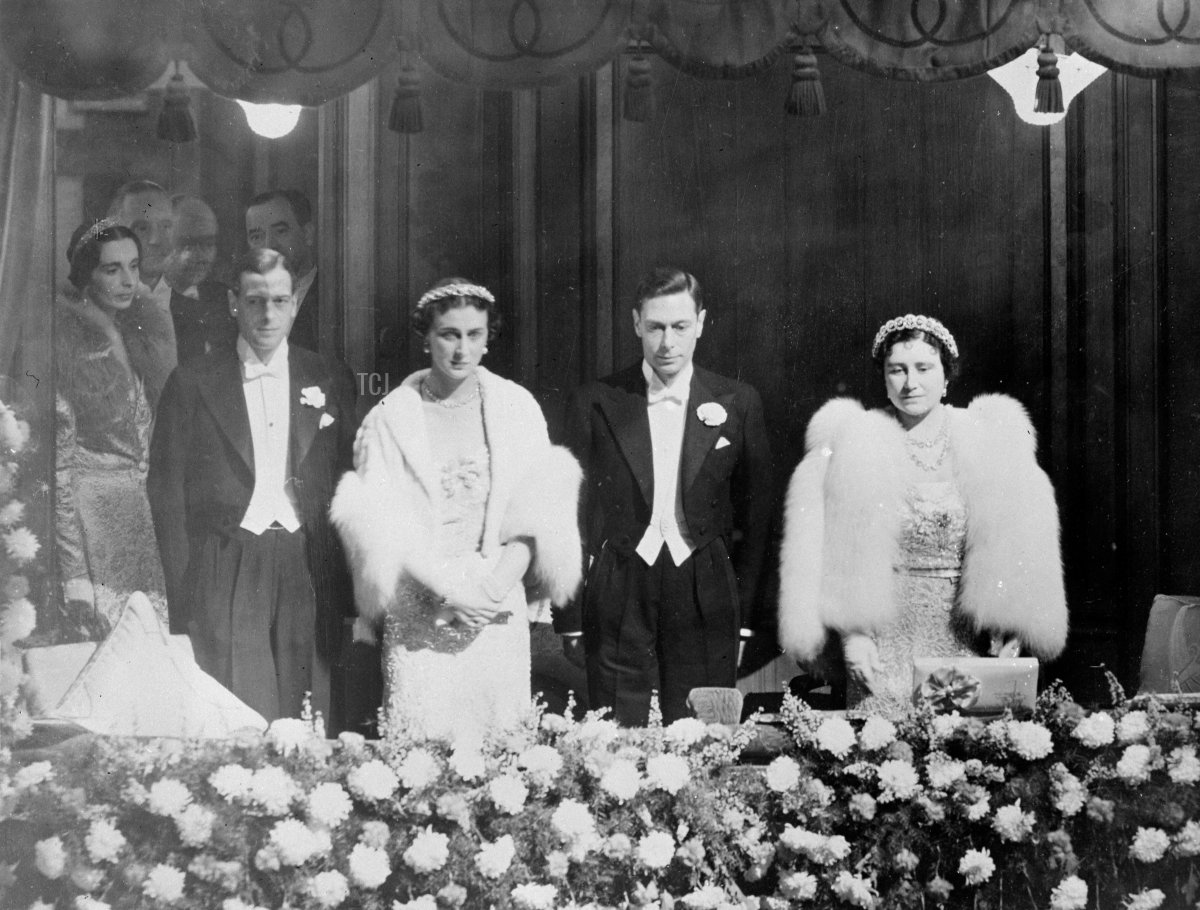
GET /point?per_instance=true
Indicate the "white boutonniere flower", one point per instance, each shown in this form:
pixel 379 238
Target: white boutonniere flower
pixel 326 420
pixel 712 414
pixel 312 396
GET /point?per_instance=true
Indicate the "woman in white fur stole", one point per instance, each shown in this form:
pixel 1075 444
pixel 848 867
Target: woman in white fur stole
pixel 915 530
pixel 459 522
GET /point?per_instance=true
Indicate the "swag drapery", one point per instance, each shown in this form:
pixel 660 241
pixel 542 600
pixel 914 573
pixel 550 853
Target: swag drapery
pixel 313 51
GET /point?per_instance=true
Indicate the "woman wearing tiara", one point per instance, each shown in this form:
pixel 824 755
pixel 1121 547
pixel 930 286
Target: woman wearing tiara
pixel 104 537
pixel 919 529
pixel 459 520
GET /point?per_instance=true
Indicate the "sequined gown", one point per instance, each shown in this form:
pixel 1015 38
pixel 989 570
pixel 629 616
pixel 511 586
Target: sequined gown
pixel 443 681
pixel 928 625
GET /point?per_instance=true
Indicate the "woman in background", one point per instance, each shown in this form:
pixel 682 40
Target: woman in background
pixel 105 540
pixel 460 515
pixel 915 529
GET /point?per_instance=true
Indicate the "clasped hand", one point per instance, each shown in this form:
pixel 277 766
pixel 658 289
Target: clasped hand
pixel 468 604
pixel 862 659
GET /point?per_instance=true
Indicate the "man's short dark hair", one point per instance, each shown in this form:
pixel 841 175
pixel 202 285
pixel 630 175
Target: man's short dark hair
pixel 132 188
pixel 301 207
pixel 259 261
pixel 664 280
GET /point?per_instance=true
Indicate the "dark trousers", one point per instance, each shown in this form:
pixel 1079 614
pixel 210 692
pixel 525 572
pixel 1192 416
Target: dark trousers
pixel 253 623
pixel 665 627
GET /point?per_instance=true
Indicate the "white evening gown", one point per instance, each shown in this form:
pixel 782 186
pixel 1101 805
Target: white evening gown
pixel 928 625
pixel 443 681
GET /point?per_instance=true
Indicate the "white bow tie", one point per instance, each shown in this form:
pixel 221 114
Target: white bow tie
pixel 664 393
pixel 256 369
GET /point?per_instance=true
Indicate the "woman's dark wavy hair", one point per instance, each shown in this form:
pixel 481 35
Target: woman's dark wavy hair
pixel 952 366
pixel 84 255
pixel 422 317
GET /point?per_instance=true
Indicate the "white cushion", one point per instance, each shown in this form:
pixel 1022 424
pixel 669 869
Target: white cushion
pixel 141 681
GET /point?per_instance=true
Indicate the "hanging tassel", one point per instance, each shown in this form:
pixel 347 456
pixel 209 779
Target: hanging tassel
pixel 175 120
pixel 807 96
pixel 406 103
pixel 638 102
pixel 1049 89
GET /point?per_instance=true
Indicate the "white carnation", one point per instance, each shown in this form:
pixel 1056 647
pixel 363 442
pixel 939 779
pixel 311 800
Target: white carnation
pixel 375 833
pixel 1069 894
pixel 493 859
pixel 798 886
pixel 33 774
pixel 273 789
pixel 1146 899
pixel 877 733
pixel 1012 824
pixel 1149 845
pixel 104 841
pixel 1095 730
pixel 168 797
pixel 782 774
pixel 428 851
pixel 50 857
pixel 1134 764
pixel 468 763
pixel 1133 726
pixel 943 772
pixel 1187 840
pixel 372 780
pixel 530 896
pixel 656 849
pixel 17 621
pixel 668 772
pixel 573 822
pixel 859 892
pixel 164 884
pixel 685 732
pixel 233 782
pixel 195 824
pixel 541 764
pixel 328 889
pixel 329 805
pixel 897 780
pixel 836 736
pixel 621 780
pixel 369 867
pixel 287 734
pixel 508 793
pixel 1183 767
pixel 22 546
pixel 1030 740
pixel 419 769
pixel 294 843
pixel 707 897
pixel 976 866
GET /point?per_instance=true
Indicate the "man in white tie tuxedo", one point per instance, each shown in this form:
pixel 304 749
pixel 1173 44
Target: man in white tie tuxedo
pixel 675 513
pixel 248 446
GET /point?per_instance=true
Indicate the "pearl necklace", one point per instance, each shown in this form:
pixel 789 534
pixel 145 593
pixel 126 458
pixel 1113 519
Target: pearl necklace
pixel 448 402
pixel 940 441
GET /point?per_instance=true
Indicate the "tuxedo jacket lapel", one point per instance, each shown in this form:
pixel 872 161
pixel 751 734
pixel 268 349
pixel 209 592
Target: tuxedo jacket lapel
pixel 625 411
pixel 222 393
pixel 698 437
pixel 304 419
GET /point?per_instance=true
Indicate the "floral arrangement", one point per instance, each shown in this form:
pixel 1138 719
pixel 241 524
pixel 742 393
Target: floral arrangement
pixel 19 548
pixel 1068 810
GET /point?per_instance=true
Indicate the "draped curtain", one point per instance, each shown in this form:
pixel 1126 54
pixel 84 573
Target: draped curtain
pixel 311 52
pixel 26 226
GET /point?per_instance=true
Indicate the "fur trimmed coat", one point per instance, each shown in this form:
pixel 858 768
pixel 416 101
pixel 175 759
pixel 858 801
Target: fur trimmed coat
pixel 386 510
pixel 842 527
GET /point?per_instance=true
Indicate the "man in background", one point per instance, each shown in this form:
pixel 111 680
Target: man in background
pixel 282 219
pixel 146 326
pixel 199 307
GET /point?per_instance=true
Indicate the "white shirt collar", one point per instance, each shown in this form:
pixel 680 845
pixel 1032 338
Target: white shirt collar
pixel 249 357
pixel 657 390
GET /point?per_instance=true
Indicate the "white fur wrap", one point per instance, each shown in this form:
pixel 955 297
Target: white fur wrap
pixel 386 511
pixel 843 524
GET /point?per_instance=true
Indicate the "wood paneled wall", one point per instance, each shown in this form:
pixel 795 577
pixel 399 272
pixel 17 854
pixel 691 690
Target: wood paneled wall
pixel 1061 258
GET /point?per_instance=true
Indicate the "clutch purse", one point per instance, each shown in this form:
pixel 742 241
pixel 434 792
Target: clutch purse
pixel 976 686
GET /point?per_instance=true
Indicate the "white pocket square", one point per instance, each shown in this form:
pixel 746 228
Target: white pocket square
pixel 326 420
pixel 721 443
